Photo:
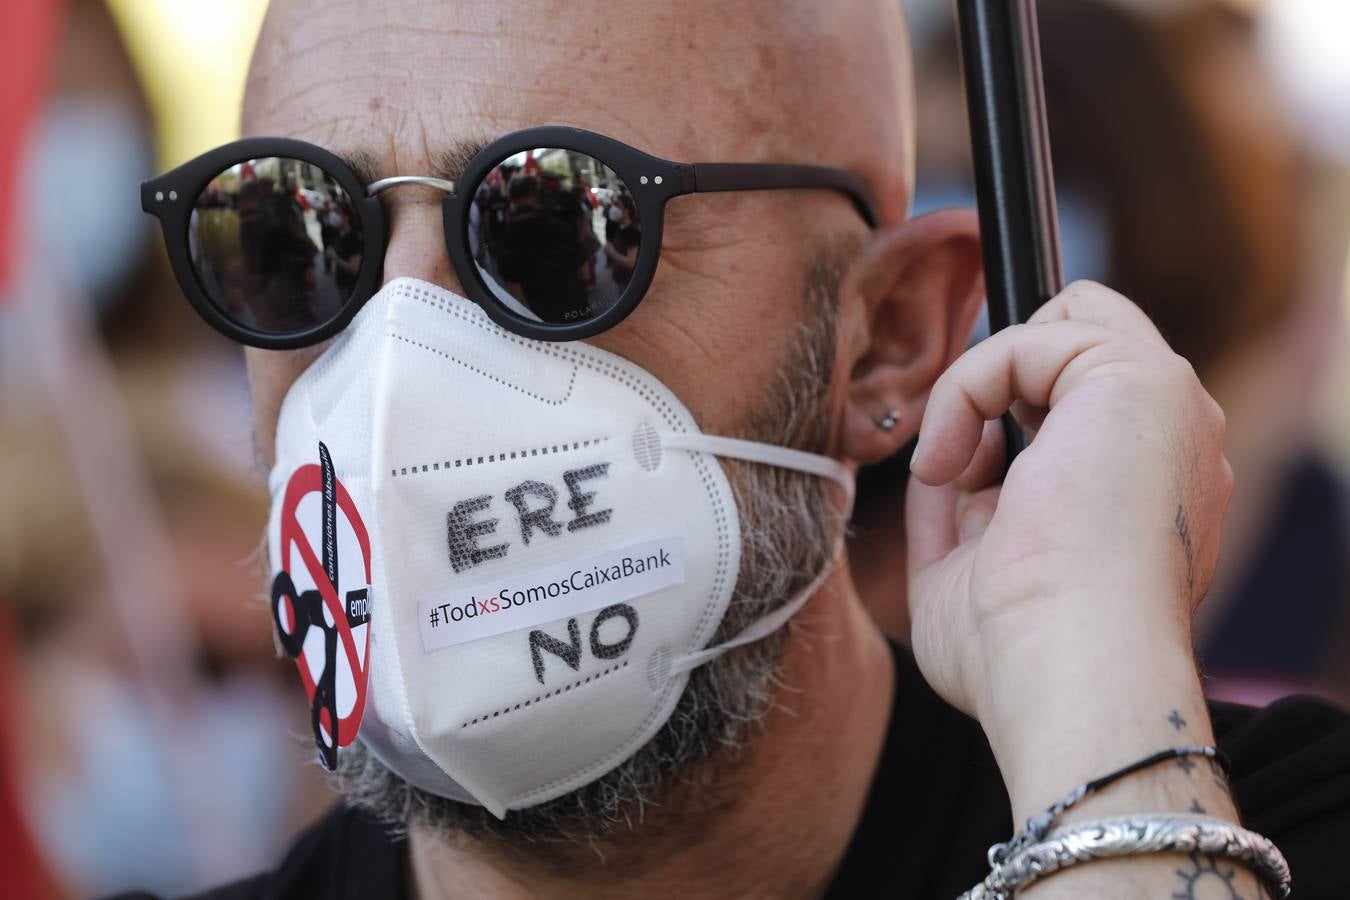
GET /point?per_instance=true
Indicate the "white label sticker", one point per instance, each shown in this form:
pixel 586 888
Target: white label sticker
pixel 513 602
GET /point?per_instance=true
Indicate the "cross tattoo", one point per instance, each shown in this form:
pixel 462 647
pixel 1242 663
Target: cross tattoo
pixel 1177 721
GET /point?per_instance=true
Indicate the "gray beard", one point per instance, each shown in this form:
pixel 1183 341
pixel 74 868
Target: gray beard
pixel 788 532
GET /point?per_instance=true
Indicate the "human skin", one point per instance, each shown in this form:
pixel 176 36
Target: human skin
pixel 826 84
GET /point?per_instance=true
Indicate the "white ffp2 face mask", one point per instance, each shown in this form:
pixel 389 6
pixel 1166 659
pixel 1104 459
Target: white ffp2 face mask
pixel 499 558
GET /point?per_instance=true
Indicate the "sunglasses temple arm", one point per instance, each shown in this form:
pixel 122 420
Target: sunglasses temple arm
pixel 708 177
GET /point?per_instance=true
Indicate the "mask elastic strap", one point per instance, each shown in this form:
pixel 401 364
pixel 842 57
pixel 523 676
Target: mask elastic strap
pixel 762 627
pixel 783 457
pixel 769 454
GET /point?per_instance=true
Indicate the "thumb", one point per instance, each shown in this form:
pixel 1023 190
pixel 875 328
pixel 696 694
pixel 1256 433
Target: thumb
pixel 939 518
pixel 931 529
pixel 974 512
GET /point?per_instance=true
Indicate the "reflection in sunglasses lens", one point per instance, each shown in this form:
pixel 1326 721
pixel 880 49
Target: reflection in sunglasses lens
pixel 554 235
pixel 276 244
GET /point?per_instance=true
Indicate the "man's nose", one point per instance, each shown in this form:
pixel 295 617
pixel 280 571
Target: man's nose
pixel 417 242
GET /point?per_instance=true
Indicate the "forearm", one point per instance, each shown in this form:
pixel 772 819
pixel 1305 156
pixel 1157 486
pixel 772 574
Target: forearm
pixel 1095 712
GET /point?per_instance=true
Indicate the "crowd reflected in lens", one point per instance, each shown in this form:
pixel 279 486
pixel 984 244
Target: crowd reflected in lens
pixel 554 234
pixel 276 244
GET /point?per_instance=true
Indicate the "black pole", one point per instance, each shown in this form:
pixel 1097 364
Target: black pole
pixel 1010 148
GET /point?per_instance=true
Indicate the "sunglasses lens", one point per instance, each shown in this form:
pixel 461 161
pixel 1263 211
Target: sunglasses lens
pixel 554 235
pixel 276 244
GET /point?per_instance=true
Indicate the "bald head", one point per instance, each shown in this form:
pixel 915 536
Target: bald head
pixel 805 81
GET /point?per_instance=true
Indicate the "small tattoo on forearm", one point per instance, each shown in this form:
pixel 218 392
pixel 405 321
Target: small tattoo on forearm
pixel 1177 721
pixel 1220 779
pixel 1188 765
pixel 1204 878
pixel 1197 808
pixel 1183 530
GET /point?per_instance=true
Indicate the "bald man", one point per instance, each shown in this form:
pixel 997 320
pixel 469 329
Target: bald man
pixel 816 759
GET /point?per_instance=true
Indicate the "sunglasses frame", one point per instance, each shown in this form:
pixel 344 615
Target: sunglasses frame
pixel 171 198
pixel 650 180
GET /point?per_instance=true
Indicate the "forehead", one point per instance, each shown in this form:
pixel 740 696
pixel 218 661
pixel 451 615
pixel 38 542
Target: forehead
pixel 808 82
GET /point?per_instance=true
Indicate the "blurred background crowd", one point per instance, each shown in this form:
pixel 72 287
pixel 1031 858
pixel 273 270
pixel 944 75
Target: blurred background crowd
pixel 150 736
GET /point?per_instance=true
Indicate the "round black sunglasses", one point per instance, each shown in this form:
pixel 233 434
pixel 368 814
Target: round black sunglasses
pixel 554 231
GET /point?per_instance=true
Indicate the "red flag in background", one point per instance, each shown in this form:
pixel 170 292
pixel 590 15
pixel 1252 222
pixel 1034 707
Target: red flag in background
pixel 29 29
pixel 22 869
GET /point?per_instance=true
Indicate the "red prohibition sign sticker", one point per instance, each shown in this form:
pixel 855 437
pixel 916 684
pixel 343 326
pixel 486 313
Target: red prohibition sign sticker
pixel 326 628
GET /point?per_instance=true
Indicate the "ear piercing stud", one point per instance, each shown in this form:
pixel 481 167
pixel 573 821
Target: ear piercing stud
pixel 887 422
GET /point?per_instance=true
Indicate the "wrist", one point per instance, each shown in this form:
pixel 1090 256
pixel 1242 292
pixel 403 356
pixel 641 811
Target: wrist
pixel 1064 704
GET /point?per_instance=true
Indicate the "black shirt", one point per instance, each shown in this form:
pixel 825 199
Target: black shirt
pixel 936 805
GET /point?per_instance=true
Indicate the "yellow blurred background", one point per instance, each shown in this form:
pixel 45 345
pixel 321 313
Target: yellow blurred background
pixel 193 57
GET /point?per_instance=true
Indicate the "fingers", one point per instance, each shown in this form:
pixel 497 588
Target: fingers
pixel 986 467
pixel 974 512
pixel 1026 368
pixel 930 522
pixel 1095 304
pixel 1029 418
pixel 1030 363
pixel 939 518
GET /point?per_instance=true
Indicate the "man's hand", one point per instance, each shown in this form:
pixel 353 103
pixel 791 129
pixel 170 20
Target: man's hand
pixel 1110 518
pixel 1056 607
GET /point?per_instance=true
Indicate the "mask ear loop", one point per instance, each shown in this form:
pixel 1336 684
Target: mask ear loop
pixel 763 627
pixel 783 457
pixel 752 451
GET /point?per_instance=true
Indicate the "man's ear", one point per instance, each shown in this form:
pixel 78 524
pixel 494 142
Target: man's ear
pixel 922 285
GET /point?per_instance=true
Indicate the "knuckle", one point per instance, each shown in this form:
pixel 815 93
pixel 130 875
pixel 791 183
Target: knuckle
pixel 1206 409
pixel 1180 367
pixel 1215 413
pixel 1174 375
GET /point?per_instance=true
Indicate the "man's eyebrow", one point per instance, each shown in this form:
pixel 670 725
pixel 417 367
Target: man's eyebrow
pixel 363 165
pixel 448 162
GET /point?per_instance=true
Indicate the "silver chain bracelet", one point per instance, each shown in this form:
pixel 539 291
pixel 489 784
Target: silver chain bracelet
pixel 1133 835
